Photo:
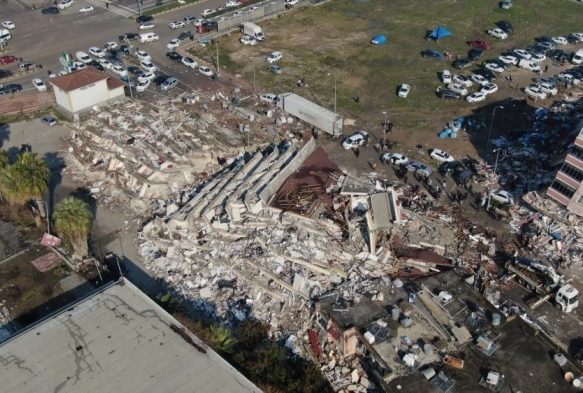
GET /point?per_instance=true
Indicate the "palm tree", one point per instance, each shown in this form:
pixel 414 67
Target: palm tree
pixel 222 339
pixel 28 178
pixel 3 159
pixel 73 220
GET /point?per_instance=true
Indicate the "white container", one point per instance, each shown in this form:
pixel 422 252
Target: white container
pixel 369 337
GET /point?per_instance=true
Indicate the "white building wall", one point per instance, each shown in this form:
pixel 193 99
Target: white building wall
pixel 62 98
pixel 117 93
pixel 87 97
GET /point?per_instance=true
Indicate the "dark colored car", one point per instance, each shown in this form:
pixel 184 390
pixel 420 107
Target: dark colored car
pixel 128 81
pixel 573 39
pixel 506 26
pixel 575 72
pixel 160 79
pixel 125 50
pixel 208 26
pixel 497 62
pixel 461 63
pixel 489 75
pixel 475 54
pixel 5 73
pixel 433 54
pixel 449 95
pixel 545 38
pixel 8 59
pixel 539 50
pixel 135 70
pixel 95 64
pixel 129 36
pixel 144 18
pixel 50 11
pixel 449 167
pixel 480 44
pixel 174 56
pixel 184 35
pixel 555 54
pixel 114 60
pixel 11 88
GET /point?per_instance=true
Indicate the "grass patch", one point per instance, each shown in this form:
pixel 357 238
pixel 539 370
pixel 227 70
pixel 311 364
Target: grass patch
pixel 167 7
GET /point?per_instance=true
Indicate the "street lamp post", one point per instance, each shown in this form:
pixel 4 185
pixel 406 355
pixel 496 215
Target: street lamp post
pixel 47 213
pixel 491 125
pixel 335 90
pixel 495 168
pixel 385 130
pixel 129 79
pixel 253 61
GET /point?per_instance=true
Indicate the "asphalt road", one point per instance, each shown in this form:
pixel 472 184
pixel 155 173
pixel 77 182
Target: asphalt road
pixel 42 39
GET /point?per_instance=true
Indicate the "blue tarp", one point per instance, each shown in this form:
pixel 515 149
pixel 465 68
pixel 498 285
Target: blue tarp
pixel 378 40
pixel 440 32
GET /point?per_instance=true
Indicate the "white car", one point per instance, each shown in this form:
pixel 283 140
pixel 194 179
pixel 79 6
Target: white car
pixel 253 9
pixel 476 97
pixel 146 76
pixel 462 80
pixel 479 79
pixel 440 155
pixel 494 67
pixel 458 88
pixel 146 65
pixel 268 97
pixel 490 88
pixel 523 53
pixel 110 45
pixel 535 92
pixel 274 56
pixel 147 26
pixel 143 85
pixel 205 71
pixel 357 139
pixel 207 12
pixel 538 57
pixel 238 13
pixel 189 62
pixel 510 60
pixel 560 40
pixel 95 51
pixel 173 44
pixel 579 36
pixel 119 70
pixel 569 79
pixel 79 65
pixel 176 25
pixel 86 9
pixel 502 196
pixel 291 2
pixel 143 56
pixel 232 4
pixel 8 25
pixel 396 158
pixel 246 40
pixel 65 4
pixel 419 167
pixel 404 90
pixel 446 77
pixel 498 33
pixel 39 84
pixel 105 63
pixel 548 88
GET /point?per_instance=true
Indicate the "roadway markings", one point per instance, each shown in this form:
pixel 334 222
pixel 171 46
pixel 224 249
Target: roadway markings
pixel 112 8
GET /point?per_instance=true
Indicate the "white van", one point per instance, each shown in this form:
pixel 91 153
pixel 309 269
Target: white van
pixel 84 57
pixel 446 77
pixel 529 65
pixel 148 37
pixel 577 57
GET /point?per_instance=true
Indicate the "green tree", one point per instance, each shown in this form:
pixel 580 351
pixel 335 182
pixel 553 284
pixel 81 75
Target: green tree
pixel 251 333
pixel 27 179
pixel 73 220
pixel 3 160
pixel 222 339
pixel 170 302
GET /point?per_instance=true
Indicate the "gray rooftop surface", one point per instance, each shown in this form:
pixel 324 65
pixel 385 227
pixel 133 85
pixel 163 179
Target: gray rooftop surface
pixel 116 340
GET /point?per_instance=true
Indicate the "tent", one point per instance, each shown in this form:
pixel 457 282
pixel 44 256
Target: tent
pixel 440 32
pixel 378 40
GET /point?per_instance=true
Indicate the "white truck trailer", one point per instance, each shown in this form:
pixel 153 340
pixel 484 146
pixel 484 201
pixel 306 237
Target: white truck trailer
pixel 311 113
pixel 252 30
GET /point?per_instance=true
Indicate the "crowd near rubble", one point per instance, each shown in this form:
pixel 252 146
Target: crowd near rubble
pixel 275 231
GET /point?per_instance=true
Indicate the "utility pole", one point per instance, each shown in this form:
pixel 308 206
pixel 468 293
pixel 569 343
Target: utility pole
pixel 495 167
pixel 129 79
pixel 253 61
pixel 385 130
pixel 217 45
pixel 140 7
pixel 491 124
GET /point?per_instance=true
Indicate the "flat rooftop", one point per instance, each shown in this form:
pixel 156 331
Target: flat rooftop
pixel 115 340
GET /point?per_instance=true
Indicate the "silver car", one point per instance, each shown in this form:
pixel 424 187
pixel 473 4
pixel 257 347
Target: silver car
pixel 169 83
pixel 419 167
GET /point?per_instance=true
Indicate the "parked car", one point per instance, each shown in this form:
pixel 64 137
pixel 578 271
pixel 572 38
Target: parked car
pixel 205 71
pixel 65 4
pixel 440 155
pixel 189 62
pixel 447 94
pixel 119 70
pixel 143 56
pixel 494 67
pixel 502 196
pixel 232 4
pixel 449 167
pixel 143 85
pixel 268 97
pixel 8 59
pixel 135 70
pixel 275 69
pixel 147 26
pixel 560 40
pixel 479 79
pixel 490 88
pixel 433 54
pixel 173 44
pixel 460 89
pixel 109 46
pixel 535 92
pixel 97 65
pixel 404 90
pixel 190 19
pixel 174 56
pixel 480 44
pixel 169 83
pixel 505 26
pixel 555 54
pixel 39 84
pixel 521 54
pixel 538 57
pixel 144 18
pixel 160 79
pixel 355 140
pixel 394 158
pixel 510 60
pixel 548 88
pixel 475 54
pixel 86 9
pixel 476 97
pixel 506 4
pixel 548 45
pixel 127 80
pixel 114 60
pixel 461 63
pixel 246 40
pixel 419 167
pixel 446 77
pixel 148 66
pixel 498 33
pixel 489 75
pixel 184 35
pixel 50 11
pixel 146 76
pixel 105 63
pixel 49 120
pixel 274 56
pixel 129 36
pixel 95 51
pixel 176 25
pixel 10 88
pixel 5 73
pixel 8 25
pixel 207 12
pixel 462 80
